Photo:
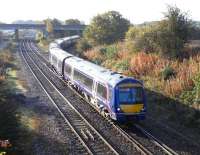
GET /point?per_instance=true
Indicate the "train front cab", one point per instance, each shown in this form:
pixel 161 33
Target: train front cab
pixel 130 101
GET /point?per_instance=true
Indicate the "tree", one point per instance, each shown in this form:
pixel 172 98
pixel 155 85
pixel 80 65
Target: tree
pixel 178 22
pixel 49 26
pixel 167 36
pixel 72 22
pixel 106 28
pixel 133 33
pixel 56 22
pixel 82 45
pixel 39 36
pixel 174 32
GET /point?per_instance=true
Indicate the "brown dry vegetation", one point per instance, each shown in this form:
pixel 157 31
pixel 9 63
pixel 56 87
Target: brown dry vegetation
pixel 149 67
pixel 10 102
pixel 5 58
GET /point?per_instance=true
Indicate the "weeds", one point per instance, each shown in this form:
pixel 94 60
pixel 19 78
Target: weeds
pixel 143 64
pixel 167 73
pixel 173 78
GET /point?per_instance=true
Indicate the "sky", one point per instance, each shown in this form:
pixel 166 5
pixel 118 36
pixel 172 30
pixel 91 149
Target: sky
pixel 137 11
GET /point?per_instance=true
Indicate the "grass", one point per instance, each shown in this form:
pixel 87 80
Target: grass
pixel 14 124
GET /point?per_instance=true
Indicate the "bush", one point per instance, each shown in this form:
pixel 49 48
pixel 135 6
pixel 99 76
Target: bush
pixel 103 50
pixel 142 38
pixel 83 45
pixel 94 55
pixel 122 65
pixel 187 97
pixel 143 64
pixel 193 95
pixel 133 32
pixel 167 73
pixel 97 61
pixel 111 52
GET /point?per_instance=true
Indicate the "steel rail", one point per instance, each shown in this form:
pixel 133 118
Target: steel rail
pixel 111 148
pixel 156 141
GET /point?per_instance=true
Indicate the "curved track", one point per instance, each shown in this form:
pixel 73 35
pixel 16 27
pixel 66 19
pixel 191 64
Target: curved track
pixel 146 144
pixel 93 142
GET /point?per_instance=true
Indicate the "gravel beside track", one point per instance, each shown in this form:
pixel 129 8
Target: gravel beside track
pixel 90 138
pixel 52 136
pixel 173 140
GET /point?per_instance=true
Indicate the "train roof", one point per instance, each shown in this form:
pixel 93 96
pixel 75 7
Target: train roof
pixel 69 38
pixel 59 53
pixel 97 72
pixel 57 43
pixel 53 45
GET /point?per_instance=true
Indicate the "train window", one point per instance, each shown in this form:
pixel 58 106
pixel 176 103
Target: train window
pixel 130 95
pixel 88 82
pixel 101 91
pixel 68 69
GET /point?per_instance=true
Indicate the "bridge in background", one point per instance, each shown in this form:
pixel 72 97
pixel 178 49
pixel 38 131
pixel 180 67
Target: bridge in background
pixel 16 27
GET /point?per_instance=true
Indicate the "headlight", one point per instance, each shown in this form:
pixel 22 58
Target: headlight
pixel 118 109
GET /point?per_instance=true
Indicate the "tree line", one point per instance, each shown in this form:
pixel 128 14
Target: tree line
pixel 51 23
pixel 166 37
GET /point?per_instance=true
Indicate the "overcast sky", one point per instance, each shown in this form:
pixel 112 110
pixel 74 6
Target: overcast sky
pixel 137 11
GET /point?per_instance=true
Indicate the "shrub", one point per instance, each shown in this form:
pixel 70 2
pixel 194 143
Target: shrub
pixel 188 97
pixel 133 32
pixel 143 64
pixel 173 88
pixel 167 73
pixel 122 66
pixel 83 45
pixel 94 55
pixel 103 50
pixel 124 54
pixel 97 61
pixel 111 52
pixel 142 38
pixel 192 96
pixel 5 57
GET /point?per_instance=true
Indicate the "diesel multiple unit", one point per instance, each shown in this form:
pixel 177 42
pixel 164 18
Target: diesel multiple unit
pixel 117 96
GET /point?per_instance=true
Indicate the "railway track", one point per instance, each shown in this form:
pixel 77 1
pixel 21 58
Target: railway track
pixel 93 142
pixel 147 145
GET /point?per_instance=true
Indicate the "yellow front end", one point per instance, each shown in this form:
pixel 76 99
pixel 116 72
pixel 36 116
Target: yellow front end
pixel 131 108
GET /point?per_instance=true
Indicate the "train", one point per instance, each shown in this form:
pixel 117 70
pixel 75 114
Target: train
pixel 114 95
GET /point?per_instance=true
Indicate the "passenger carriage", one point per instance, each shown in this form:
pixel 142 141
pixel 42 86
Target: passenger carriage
pixel 115 95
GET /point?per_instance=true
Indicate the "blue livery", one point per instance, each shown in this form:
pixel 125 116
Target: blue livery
pixel 116 96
